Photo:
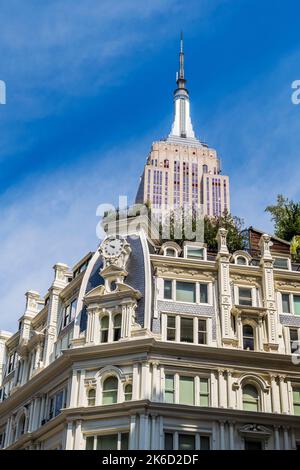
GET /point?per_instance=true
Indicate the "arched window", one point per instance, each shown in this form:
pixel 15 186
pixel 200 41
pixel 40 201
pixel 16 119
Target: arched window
pixel 170 252
pixel 91 397
pixel 250 398
pixel 205 168
pixel 104 329
pixel 128 392
pixel 117 326
pixel 241 260
pixel 248 338
pixel 110 391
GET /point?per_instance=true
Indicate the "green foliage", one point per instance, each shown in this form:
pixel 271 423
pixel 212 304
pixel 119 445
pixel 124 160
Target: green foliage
pixel 236 237
pixel 286 217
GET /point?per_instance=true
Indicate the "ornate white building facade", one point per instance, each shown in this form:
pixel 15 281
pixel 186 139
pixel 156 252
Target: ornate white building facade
pixel 151 345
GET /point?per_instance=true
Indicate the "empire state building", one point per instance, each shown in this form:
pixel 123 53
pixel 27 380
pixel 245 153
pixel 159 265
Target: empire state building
pixel 181 170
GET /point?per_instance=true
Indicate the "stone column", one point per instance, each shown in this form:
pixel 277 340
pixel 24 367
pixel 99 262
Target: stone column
pixel 275 395
pixel 69 436
pixel 286 442
pixel 223 258
pixel 229 390
pixel 231 435
pixel 222 435
pixel 269 301
pixel 77 439
pixel 133 434
pixel 276 438
pixel 222 389
pixel 74 389
pixel 283 394
pixel 136 382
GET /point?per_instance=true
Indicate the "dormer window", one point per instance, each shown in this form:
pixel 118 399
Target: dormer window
pixel 195 252
pixel 241 260
pixel 170 252
pixel 281 263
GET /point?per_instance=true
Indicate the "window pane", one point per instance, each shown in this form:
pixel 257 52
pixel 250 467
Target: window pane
pixel 248 337
pixel 89 443
pixel 186 390
pixel 201 331
pixel 195 252
pixel 73 308
pixel 203 293
pixel 169 388
pixel 296 401
pixel 107 442
pixel 128 392
pixel 185 291
pixel 204 392
pixel 285 303
pixel 204 443
pixel 241 260
pixel 91 397
pixel 245 296
pixel 167 289
pixel 250 398
pixel 294 341
pixel 186 442
pixel 186 330
pixel 168 441
pixel 281 263
pixel 110 391
pixel 297 304
pixel 171 328
pixel 124 441
pixel 170 252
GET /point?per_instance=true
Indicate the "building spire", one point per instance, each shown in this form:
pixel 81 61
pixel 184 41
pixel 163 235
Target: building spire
pixel 182 125
pixel 180 75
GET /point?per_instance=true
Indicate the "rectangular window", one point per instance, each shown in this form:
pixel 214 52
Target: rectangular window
pixel 186 390
pixel 67 311
pixel 297 304
pixel 185 291
pixel 281 263
pixel 169 389
pixel 296 401
pixel 73 309
pixel 204 392
pixel 196 253
pixel 171 328
pixel 294 340
pixel 186 330
pixel 286 303
pixel 168 289
pixel 117 441
pixel 203 293
pixel 58 402
pixel 202 336
pixel 245 296
pixel 186 442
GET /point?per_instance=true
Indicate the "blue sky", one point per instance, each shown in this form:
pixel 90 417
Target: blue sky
pixel 89 87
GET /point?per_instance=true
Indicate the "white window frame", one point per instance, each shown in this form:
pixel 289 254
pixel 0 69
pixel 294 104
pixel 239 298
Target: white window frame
pixel 185 252
pixel 197 378
pixel 254 294
pixel 289 337
pixel 196 433
pixel 110 432
pixel 197 289
pixel 195 318
pixel 289 263
pixel 291 299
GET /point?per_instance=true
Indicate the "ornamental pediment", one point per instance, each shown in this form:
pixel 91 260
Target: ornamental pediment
pixel 99 294
pixel 113 270
pixel 287 285
pixel 255 430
